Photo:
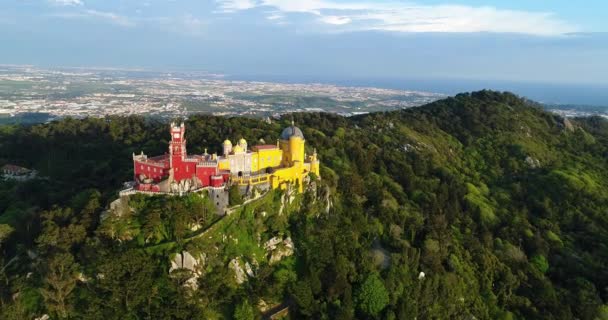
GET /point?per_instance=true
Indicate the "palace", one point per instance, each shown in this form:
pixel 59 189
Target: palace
pixel 274 166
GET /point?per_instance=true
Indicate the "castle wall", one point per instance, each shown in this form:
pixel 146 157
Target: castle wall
pixel 151 171
pixel 204 174
pixel 294 174
pixel 266 158
pixel 219 196
pixel 183 170
pixel 240 163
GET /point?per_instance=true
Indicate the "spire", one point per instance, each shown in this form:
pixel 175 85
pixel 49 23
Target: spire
pixel 293 123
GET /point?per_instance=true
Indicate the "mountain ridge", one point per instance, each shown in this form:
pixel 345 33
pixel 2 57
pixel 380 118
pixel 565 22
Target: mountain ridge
pixel 479 206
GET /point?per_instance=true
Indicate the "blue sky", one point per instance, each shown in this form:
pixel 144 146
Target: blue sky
pixel 519 40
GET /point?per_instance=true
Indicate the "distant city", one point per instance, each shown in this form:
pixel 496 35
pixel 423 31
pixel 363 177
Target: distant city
pixel 34 94
pixel 26 90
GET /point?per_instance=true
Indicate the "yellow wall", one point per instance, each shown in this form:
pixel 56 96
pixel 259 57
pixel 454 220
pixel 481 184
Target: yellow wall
pixel 266 158
pixel 224 164
pixel 292 175
pixel 288 159
pixel 293 150
pixel 296 148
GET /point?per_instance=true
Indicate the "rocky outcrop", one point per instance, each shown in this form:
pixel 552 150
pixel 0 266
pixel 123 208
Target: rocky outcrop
pixel 118 208
pixel 278 248
pixel 532 162
pixel 568 125
pixel 187 261
pixel 239 274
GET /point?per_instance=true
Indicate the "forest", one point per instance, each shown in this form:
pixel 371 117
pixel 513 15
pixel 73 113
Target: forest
pixel 478 206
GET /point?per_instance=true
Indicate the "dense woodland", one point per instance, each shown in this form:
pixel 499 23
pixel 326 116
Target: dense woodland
pixel 502 206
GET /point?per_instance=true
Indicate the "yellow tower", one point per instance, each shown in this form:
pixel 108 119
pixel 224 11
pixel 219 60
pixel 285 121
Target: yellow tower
pixel 282 165
pixel 292 143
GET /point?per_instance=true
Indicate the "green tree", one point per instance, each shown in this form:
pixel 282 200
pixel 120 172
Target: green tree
pixel 371 297
pixel 59 282
pixel 234 196
pixel 540 263
pixel 5 233
pixel 128 282
pixel 302 294
pixel 244 311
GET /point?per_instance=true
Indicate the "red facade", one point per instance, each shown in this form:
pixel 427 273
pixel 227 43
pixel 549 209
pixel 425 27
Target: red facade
pixel 176 166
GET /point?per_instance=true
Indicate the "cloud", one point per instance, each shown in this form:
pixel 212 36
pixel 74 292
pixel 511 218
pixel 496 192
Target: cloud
pixel 237 5
pixel 111 17
pixel 275 16
pixel 337 20
pixel 412 17
pixel 67 2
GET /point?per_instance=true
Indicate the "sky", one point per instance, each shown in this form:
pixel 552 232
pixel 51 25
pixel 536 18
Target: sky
pixel 537 41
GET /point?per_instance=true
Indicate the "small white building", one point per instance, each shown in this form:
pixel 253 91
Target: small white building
pixel 14 172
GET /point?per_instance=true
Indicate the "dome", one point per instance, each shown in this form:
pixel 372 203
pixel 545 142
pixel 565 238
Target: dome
pixel 243 142
pixel 227 142
pixel 292 131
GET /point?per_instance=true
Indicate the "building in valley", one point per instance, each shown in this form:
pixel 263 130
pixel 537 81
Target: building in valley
pixel 14 172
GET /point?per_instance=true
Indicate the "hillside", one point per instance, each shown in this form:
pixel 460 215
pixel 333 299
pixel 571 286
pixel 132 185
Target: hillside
pixel 477 206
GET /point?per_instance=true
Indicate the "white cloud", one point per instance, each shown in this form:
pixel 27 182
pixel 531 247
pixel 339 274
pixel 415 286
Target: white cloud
pixel 411 17
pixel 67 2
pixel 275 16
pixel 236 5
pixel 111 17
pixel 337 20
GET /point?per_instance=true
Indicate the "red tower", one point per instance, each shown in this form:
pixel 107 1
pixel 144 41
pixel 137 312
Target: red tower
pixel 177 146
pixel 189 171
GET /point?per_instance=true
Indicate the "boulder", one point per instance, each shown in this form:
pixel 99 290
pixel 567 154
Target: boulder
pixel 186 261
pixel 283 249
pixel 239 273
pixel 532 162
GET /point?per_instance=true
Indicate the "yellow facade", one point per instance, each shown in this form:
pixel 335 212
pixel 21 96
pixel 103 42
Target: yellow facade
pixel 223 165
pixel 288 161
pixel 263 159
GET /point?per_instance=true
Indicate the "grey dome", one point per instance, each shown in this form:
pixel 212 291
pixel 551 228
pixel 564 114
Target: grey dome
pixel 291 131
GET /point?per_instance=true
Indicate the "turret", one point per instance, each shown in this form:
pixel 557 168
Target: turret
pixel 243 144
pixel 292 144
pixel 227 147
pixel 177 146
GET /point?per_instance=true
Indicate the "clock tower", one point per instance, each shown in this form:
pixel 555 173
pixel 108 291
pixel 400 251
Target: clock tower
pixel 177 147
